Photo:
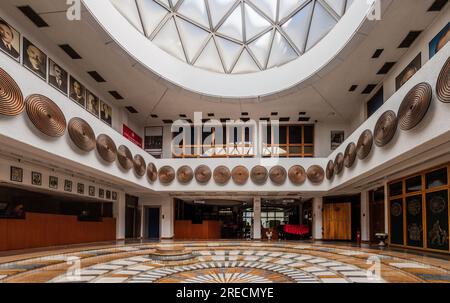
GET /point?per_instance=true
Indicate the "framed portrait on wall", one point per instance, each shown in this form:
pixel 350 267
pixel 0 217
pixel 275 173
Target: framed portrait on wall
pixel 9 40
pixel 77 92
pixel 106 113
pixel 80 188
pixel 337 137
pixel 34 59
pixel 36 178
pixel 114 196
pixel 53 182
pixel 439 41
pixel 92 104
pixel 92 191
pixel 68 186
pixel 101 193
pixel 108 194
pixel 57 77
pixel 16 174
pixel 408 72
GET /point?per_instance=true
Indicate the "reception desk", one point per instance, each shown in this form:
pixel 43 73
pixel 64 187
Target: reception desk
pixel 185 230
pixel 42 230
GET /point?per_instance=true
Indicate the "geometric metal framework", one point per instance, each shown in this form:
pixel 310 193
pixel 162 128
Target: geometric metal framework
pixel 234 36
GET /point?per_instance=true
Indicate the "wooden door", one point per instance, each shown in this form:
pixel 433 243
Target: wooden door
pixel 337 221
pixel 376 213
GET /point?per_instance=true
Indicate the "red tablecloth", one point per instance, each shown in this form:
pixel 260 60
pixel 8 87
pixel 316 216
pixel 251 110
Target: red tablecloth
pixel 300 230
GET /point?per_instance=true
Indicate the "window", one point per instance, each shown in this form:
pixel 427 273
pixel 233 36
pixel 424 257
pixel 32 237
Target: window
pixel 292 141
pixel 375 102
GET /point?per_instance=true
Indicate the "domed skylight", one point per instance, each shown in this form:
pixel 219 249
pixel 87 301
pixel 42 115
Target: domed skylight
pixel 234 36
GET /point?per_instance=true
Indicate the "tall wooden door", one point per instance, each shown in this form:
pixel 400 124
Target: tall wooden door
pixel 337 221
pixel 376 213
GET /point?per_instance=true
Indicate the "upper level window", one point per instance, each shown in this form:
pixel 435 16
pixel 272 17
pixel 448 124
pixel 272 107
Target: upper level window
pixel 375 102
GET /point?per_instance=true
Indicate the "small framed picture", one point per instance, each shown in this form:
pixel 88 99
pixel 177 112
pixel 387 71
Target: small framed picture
pixel 34 59
pixel 36 178
pixel 337 137
pixel 108 194
pixel 408 72
pixel 101 193
pixel 68 186
pixel 92 104
pixel 439 41
pixel 114 196
pixel 92 191
pixel 16 174
pixel 80 188
pixel 77 92
pixel 53 182
pixel 9 40
pixel 57 77
pixel 105 113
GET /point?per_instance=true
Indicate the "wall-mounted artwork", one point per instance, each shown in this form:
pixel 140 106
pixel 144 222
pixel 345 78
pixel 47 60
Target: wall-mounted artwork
pixel 92 104
pixel 114 196
pixel 80 188
pixel 101 193
pixel 77 92
pixel 440 40
pixel 154 141
pixel 68 186
pixel 408 72
pixel 34 59
pixel 337 137
pixel 92 191
pixel 9 40
pixel 57 77
pixel 53 182
pixel 108 194
pixel 36 178
pixel 106 113
pixel 16 174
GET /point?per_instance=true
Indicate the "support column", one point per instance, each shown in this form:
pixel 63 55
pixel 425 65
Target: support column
pixel 256 218
pixel 365 216
pixel 386 205
pixel 317 218
pixel 119 214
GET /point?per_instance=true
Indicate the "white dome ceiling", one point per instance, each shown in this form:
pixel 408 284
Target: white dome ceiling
pixel 234 36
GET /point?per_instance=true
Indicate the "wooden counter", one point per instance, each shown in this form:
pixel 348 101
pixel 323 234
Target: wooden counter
pixel 184 229
pixel 41 230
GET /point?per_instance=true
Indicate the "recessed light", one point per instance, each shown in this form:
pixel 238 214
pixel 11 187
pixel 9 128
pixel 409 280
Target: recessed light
pixel 131 109
pixel 96 76
pixel 377 53
pixel 369 88
pixel 409 39
pixel 70 51
pixel 33 16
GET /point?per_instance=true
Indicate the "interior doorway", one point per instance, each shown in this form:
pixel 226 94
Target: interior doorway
pixel 132 217
pixel 376 213
pixel 153 223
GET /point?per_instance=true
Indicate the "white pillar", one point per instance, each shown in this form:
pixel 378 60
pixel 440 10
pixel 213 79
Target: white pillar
pixel 317 218
pixel 119 214
pixel 386 205
pixel 365 216
pixel 257 218
pixel 142 221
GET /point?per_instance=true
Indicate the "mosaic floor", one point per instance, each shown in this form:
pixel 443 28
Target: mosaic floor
pixel 224 262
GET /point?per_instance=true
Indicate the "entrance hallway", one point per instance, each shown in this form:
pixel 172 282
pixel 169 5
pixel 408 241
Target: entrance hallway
pixel 226 262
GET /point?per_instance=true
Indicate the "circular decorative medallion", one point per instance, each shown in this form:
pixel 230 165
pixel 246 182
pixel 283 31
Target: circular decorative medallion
pixel 278 174
pixel 46 115
pixel 385 128
pixel 240 175
pixel 315 174
pixel 297 175
pixel 364 145
pixel 125 157
pixel 330 170
pixel 443 83
pixel 166 174
pixel 185 174
pixel 11 98
pixel 81 134
pixel 339 163
pixel 152 172
pixel 221 175
pixel 396 209
pixel 414 106
pixel 203 174
pixel 106 148
pixel 350 155
pixel 437 204
pixel 139 165
pixel 259 174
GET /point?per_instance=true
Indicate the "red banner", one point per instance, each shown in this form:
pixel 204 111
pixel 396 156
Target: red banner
pixel 132 136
